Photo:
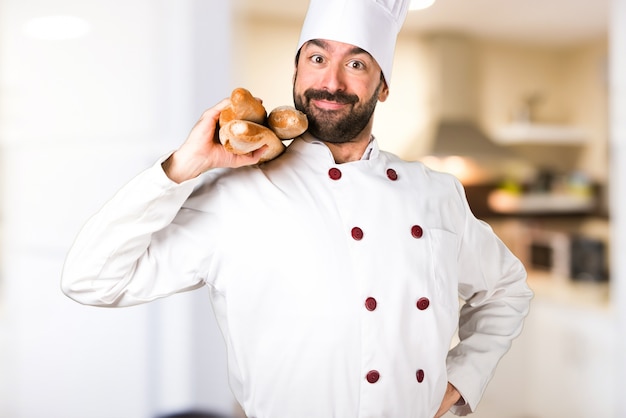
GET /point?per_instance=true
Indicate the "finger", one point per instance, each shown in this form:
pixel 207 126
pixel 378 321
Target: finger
pixel 215 111
pixel 250 158
pixel 258 153
pixel 210 116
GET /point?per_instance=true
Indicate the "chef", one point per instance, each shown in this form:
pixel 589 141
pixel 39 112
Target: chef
pixel 335 271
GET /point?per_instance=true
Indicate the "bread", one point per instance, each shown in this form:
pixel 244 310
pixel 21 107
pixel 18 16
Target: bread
pixel 246 127
pixel 243 106
pixel 287 122
pixel 242 137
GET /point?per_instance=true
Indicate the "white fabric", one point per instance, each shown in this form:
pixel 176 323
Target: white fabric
pixel 288 282
pixel 372 25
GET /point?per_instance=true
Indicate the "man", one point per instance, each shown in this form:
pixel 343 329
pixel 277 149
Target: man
pixel 335 270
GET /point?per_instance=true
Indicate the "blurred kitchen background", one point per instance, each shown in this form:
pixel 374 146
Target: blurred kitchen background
pixel 524 101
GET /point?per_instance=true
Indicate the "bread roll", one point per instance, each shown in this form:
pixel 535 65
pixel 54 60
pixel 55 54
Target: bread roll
pixel 242 137
pixel 287 122
pixel 243 106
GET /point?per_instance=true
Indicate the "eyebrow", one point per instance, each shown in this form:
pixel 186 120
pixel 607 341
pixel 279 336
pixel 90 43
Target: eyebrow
pixel 324 45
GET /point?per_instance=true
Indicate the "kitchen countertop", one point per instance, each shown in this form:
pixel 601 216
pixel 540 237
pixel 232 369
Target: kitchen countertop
pixel 593 295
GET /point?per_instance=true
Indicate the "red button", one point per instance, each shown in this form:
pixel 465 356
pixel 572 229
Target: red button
pixel 423 303
pixel 370 304
pixel 357 233
pixel 391 174
pixel 334 173
pixel 372 376
pixel 420 375
pixel 417 231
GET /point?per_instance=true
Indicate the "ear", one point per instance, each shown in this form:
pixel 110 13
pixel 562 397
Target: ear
pixel 384 92
pixel 295 66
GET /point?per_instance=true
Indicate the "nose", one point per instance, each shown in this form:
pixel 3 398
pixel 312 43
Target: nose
pixel 334 79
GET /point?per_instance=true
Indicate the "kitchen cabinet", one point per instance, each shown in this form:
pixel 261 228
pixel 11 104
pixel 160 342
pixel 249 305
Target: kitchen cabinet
pixel 563 364
pixel 490 202
pixel 572 352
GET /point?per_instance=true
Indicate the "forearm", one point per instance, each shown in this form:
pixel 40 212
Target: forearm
pixel 107 252
pixel 488 324
pixel 112 262
pixel 492 281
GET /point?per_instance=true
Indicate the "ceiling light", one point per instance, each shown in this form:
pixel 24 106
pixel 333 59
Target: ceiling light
pixel 420 4
pixel 56 28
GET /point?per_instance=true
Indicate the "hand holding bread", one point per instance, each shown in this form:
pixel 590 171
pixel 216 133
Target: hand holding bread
pixel 233 133
pixel 245 126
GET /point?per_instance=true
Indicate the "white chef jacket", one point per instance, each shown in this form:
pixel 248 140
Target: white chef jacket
pixel 336 286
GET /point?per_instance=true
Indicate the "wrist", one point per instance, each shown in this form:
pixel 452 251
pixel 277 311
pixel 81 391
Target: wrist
pixel 180 169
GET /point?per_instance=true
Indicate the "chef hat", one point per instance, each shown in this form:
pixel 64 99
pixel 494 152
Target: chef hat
pixel 372 25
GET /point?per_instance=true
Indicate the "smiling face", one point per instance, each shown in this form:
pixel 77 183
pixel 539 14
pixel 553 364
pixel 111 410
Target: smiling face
pixel 338 85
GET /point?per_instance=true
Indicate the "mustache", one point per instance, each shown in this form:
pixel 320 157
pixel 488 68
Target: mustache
pixel 338 97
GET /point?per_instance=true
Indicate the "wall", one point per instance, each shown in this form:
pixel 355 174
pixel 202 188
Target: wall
pixel 617 186
pixel 571 83
pixel 79 118
pixel 587 96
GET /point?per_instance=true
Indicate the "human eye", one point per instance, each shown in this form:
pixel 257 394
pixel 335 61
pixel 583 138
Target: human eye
pixel 356 65
pixel 316 59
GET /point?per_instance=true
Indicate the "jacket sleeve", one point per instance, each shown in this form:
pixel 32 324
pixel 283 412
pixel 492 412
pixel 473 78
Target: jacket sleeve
pixel 493 285
pixel 113 260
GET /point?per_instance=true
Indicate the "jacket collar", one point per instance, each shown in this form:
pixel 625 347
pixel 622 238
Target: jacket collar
pixel 371 152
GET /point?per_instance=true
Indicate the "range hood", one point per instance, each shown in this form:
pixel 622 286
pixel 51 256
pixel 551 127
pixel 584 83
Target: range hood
pixel 457 131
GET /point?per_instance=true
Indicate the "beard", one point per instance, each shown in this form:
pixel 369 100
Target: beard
pixel 336 126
